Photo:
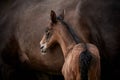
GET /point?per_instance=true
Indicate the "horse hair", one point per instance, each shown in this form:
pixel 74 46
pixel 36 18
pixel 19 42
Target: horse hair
pixel 85 59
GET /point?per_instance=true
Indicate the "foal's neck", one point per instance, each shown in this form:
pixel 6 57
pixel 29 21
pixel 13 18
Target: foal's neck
pixel 66 41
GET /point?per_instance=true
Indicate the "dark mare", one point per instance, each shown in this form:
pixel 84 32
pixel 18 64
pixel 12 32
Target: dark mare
pixel 21 28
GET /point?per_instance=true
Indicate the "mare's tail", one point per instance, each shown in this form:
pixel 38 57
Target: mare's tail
pixel 85 59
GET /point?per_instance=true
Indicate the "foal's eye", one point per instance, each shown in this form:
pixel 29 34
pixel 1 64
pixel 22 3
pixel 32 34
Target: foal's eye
pixel 48 33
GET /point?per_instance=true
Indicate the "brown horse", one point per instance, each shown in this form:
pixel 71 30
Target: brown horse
pixel 22 23
pixel 82 61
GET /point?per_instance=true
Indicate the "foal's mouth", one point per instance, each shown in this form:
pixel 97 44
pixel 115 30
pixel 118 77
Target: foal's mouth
pixel 43 50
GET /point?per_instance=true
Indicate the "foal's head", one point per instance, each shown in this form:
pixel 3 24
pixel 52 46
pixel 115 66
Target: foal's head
pixel 51 34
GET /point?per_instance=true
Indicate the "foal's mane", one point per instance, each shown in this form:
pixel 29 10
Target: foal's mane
pixel 70 30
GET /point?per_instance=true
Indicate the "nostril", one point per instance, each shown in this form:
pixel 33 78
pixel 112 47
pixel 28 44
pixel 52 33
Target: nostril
pixel 41 47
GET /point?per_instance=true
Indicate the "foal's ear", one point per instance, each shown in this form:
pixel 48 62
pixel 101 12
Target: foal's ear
pixel 53 16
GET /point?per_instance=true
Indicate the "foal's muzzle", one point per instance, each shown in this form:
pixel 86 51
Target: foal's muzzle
pixel 43 48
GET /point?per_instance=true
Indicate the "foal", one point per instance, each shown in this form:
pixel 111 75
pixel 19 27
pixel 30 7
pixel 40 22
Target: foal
pixel 82 61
